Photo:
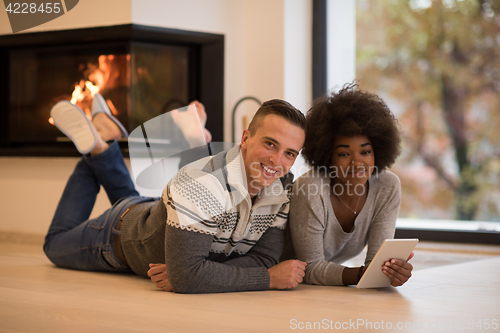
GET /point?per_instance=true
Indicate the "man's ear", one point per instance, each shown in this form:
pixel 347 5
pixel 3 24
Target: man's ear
pixel 244 138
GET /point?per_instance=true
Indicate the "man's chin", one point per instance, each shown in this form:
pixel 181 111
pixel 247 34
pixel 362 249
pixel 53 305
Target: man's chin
pixel 269 181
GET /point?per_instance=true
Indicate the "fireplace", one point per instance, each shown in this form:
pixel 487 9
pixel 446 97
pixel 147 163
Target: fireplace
pixel 141 72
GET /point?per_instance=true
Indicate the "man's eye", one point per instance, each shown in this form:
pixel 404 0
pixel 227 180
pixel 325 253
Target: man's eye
pixel 270 144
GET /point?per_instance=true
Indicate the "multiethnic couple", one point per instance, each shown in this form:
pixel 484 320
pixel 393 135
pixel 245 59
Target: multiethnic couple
pixel 235 221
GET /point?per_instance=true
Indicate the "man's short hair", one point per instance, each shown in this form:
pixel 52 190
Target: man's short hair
pixel 280 108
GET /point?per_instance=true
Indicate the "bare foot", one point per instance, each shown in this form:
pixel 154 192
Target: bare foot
pixel 106 128
pixel 208 135
pixel 200 109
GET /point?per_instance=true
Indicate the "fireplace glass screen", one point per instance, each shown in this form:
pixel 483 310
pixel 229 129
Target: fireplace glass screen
pixel 138 81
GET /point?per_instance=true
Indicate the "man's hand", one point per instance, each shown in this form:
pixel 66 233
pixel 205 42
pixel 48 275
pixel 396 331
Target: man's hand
pixel 158 274
pixel 287 274
pixel 399 271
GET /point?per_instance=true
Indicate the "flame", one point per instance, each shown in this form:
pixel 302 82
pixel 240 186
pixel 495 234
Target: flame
pixel 111 106
pixel 98 76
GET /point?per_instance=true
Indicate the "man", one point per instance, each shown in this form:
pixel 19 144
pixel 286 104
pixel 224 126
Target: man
pixel 218 227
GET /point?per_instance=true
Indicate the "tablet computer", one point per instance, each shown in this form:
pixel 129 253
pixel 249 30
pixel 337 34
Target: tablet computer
pixel 390 249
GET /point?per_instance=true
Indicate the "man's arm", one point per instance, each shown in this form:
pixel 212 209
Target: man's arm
pixel 190 272
pixel 195 202
pixel 265 253
pixel 285 275
pixel 189 236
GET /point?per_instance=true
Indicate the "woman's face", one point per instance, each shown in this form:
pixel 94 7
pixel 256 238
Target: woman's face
pixel 353 160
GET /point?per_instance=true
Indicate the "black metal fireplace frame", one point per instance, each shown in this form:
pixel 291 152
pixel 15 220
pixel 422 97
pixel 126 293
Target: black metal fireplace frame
pixel 206 83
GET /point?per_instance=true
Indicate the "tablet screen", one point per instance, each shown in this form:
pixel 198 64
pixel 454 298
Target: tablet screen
pixel 390 249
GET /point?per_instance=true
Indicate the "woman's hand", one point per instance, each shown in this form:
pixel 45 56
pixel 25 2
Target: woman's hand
pixel 158 274
pixel 399 271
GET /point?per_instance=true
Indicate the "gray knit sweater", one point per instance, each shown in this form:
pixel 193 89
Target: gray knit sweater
pixel 206 230
pixel 317 237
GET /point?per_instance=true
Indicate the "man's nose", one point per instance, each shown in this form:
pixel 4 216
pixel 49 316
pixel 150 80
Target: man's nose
pixel 276 158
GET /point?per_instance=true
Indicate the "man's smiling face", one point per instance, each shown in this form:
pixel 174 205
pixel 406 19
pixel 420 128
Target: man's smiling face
pixel 270 152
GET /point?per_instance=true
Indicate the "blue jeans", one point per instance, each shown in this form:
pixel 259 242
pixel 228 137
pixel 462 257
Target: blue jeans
pixel 74 241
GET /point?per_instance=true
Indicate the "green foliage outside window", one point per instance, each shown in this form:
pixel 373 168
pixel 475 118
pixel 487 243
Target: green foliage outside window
pixel 437 64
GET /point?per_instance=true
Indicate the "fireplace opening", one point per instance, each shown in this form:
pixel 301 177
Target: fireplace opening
pixel 141 72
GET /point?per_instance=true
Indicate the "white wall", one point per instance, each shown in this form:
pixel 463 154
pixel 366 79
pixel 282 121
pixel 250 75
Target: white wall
pixel 297 55
pixel 253 33
pixel 298 61
pixel 266 46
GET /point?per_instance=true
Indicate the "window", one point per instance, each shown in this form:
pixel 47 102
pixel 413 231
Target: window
pixel 437 65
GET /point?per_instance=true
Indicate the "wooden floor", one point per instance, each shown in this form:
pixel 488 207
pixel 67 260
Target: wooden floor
pixel 35 296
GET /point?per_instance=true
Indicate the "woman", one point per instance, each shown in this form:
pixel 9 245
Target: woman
pixel 348 199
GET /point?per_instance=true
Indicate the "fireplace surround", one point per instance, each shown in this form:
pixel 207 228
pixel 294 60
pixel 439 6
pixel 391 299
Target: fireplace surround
pixel 141 71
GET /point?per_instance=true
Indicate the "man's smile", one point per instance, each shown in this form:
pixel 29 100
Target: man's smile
pixel 268 171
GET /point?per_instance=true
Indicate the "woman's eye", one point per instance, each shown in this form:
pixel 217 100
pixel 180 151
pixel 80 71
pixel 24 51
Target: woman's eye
pixel 366 152
pixel 344 154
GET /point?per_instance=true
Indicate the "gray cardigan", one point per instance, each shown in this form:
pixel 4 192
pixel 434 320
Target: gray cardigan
pixel 318 238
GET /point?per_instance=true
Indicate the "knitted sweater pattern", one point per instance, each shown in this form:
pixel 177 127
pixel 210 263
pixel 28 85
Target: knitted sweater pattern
pixel 210 196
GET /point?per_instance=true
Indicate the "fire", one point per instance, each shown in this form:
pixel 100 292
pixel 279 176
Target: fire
pixel 114 111
pixel 103 75
pixel 98 77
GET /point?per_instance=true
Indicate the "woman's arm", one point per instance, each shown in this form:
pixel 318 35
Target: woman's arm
pixel 307 223
pixel 383 227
